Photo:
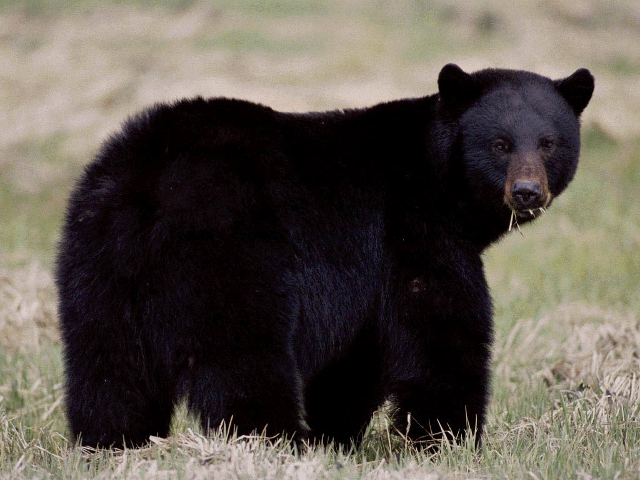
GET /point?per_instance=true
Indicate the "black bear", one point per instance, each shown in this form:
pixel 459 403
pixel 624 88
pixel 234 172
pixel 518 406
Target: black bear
pixel 292 272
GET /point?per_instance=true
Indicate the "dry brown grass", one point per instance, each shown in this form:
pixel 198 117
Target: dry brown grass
pixel 27 309
pixel 584 352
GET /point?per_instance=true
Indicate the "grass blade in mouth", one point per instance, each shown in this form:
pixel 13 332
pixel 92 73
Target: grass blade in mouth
pixel 514 219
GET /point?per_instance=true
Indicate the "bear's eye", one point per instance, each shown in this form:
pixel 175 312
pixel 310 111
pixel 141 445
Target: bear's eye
pixel 501 146
pixel 547 144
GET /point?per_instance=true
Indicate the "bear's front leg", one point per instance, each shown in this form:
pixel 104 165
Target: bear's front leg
pixel 439 353
pixel 450 399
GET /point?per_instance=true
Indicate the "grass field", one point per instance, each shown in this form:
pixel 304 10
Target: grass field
pixel 566 386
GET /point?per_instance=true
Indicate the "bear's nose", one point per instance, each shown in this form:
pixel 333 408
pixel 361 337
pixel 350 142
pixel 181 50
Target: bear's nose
pixel 526 194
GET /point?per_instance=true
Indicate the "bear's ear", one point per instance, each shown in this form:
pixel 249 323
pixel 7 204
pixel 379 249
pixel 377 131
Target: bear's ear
pixel 576 89
pixel 457 88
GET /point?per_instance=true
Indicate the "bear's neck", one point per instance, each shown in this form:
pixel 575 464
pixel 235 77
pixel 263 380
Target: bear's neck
pixel 426 179
pixel 401 152
pixel 482 226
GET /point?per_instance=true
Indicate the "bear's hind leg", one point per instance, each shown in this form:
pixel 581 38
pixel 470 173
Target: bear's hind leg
pixel 252 393
pixel 110 402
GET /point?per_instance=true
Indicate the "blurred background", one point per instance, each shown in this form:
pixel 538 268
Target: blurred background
pixel 71 71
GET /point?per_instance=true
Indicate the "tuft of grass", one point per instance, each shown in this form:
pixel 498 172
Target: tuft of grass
pixel 568 389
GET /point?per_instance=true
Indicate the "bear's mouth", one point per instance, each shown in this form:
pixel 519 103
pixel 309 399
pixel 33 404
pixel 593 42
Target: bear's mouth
pixel 529 208
pixel 526 213
pixel 531 212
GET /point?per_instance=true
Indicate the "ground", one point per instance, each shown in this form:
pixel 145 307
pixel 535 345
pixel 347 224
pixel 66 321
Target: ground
pixel 567 293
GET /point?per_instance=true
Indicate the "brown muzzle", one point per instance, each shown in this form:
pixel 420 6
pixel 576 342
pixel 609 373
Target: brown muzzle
pixel 526 190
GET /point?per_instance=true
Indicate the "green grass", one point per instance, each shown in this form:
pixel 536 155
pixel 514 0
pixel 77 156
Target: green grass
pixel 565 390
pixel 34 186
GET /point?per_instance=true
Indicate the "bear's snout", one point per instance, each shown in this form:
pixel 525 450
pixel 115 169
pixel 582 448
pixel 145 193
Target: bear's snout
pixel 527 189
pixel 526 194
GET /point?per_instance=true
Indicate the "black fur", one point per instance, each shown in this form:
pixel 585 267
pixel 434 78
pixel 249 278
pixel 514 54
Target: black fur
pixel 297 270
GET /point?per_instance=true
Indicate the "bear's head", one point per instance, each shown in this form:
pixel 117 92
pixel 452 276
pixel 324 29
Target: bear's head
pixel 518 134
